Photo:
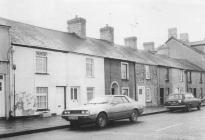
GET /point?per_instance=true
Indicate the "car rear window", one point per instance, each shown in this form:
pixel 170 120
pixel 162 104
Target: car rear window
pixel 175 96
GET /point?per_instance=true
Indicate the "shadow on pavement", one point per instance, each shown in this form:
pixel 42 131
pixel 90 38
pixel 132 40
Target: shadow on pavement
pixel 115 124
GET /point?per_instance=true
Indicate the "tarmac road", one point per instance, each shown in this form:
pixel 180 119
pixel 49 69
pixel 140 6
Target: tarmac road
pixel 165 126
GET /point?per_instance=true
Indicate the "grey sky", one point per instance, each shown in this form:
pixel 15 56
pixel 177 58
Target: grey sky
pixel 146 19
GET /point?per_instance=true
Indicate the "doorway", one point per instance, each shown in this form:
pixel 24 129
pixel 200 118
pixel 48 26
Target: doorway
pixel 194 92
pixel 60 99
pixel 74 97
pixel 141 95
pixel 2 97
pixel 161 96
pixel 115 88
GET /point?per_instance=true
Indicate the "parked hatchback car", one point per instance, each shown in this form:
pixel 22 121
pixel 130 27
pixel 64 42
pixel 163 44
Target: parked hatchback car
pixel 184 101
pixel 103 109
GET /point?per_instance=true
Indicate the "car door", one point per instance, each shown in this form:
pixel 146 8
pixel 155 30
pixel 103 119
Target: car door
pixel 128 107
pixel 116 110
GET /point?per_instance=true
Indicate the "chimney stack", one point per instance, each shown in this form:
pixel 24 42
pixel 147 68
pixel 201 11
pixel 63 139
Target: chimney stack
pixel 77 26
pixel 172 32
pixel 184 37
pixel 149 46
pixel 131 42
pixel 107 33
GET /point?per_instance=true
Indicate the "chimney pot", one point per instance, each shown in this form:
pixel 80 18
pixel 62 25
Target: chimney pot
pixel 77 26
pixel 172 32
pixel 107 33
pixel 131 42
pixel 184 37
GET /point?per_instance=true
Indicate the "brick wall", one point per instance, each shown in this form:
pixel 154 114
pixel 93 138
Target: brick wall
pixel 148 83
pixel 113 73
pixel 195 83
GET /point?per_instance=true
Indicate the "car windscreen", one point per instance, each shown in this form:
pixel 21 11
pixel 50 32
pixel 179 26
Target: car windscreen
pixel 175 97
pixel 100 100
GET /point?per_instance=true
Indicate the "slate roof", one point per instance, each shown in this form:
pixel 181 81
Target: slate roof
pixel 187 45
pixel 33 36
pixel 197 43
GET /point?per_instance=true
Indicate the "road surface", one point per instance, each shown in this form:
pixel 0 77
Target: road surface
pixel 165 126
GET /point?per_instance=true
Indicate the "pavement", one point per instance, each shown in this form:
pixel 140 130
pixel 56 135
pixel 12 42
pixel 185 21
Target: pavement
pixel 38 124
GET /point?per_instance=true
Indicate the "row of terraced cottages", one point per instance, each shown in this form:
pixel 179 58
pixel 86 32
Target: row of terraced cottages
pixel 43 70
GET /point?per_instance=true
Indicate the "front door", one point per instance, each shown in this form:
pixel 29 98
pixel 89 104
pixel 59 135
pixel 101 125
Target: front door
pixel 161 96
pixel 60 99
pixel 195 93
pixel 141 95
pixel 115 88
pixel 74 97
pixel 2 97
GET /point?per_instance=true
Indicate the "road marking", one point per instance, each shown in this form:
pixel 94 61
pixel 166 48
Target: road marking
pixel 161 129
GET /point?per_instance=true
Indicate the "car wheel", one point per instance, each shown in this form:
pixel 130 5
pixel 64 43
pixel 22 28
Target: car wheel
pixel 74 124
pixel 199 107
pixel 188 108
pixel 134 116
pixel 101 120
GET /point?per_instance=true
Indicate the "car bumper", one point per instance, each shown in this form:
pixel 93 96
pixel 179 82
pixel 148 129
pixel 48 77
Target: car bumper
pixel 80 118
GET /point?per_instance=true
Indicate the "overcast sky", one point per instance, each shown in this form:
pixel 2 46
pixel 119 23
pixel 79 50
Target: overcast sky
pixel 146 19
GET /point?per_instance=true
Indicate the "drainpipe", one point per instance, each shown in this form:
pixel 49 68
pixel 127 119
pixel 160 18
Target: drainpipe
pixel 135 82
pixel 10 74
pixel 158 83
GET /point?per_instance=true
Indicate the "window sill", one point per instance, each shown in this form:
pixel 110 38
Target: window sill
pixel 90 76
pixel 125 79
pixel 40 110
pixel 149 101
pixel 38 73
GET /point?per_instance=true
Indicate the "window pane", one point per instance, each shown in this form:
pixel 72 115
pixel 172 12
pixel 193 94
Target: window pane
pixel 0 86
pixel 1 76
pixel 90 93
pixel 75 95
pixel 42 93
pixel 41 63
pixel 124 71
pixel 71 93
pixel 117 100
pixel 125 92
pixel 89 67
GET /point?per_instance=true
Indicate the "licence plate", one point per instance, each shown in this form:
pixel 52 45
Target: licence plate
pixel 73 117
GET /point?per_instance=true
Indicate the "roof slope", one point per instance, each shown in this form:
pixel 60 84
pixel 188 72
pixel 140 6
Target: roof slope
pixel 29 35
pixel 186 44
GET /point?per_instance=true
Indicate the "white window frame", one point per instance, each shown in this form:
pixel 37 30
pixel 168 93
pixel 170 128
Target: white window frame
pixel 167 75
pixel 38 94
pixel 147 72
pixel 127 72
pixel 44 57
pixel 88 73
pixel 93 92
pixel 72 93
pixel 125 88
pixel 181 75
pixel 150 95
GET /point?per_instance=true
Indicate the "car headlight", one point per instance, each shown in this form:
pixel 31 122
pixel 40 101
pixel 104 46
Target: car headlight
pixel 85 112
pixel 66 112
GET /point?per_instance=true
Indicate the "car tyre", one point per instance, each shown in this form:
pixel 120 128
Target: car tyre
pixel 199 107
pixel 188 108
pixel 101 120
pixel 134 116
